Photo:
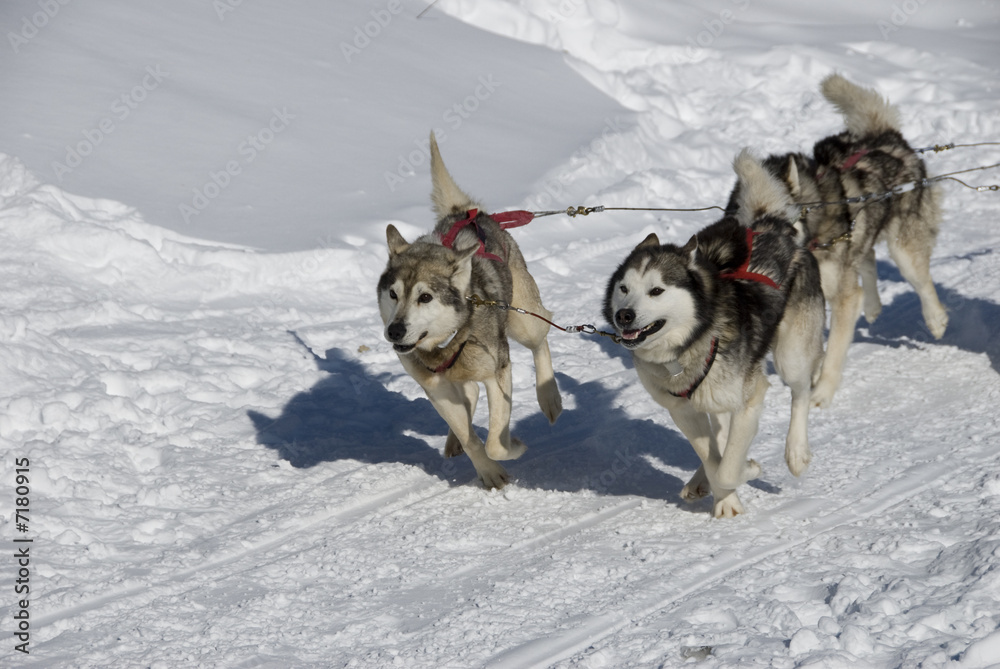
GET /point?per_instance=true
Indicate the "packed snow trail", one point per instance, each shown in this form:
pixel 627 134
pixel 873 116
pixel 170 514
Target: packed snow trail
pixel 229 467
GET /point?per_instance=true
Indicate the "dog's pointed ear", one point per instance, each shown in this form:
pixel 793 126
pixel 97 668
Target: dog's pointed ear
pixel 462 276
pixel 651 241
pixel 395 241
pixel 792 177
pixel 690 250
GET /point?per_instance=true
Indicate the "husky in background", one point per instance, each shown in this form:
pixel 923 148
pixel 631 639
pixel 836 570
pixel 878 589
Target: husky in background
pixel 699 320
pixel 869 157
pixel 446 344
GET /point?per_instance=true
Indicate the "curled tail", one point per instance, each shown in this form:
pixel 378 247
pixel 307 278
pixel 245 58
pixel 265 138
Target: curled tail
pixel 865 111
pixel 758 192
pixel 446 196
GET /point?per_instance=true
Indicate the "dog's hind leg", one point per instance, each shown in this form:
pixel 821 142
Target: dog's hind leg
pixel 845 307
pixel 914 262
pixel 532 333
pixel 455 402
pixel 869 284
pixel 500 445
pixel 798 356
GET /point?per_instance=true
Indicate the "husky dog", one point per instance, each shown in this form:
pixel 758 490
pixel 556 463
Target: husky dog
pixel 449 346
pixel 700 319
pixel 869 157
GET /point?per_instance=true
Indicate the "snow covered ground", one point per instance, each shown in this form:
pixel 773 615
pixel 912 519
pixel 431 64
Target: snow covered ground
pixel 227 465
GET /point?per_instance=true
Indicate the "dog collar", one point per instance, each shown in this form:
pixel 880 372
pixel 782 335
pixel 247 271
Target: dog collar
pixel 709 361
pixel 445 366
pixel 742 272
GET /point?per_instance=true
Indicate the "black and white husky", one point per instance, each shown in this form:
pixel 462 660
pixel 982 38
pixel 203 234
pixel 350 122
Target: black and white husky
pixel 699 320
pixel 448 345
pixel 870 157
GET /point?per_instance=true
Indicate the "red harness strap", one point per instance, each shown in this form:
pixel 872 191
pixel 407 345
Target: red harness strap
pixel 742 272
pixel 506 220
pixel 853 160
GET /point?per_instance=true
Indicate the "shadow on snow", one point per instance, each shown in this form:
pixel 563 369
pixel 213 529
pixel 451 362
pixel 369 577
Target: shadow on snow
pixel 973 324
pixel 594 446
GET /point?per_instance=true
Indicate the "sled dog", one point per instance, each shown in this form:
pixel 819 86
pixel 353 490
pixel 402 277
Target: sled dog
pixel 869 157
pixel 699 320
pixel 447 344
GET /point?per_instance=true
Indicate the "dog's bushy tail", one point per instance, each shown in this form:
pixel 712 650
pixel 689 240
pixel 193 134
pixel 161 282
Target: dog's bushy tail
pixel 447 197
pixel 865 111
pixel 759 193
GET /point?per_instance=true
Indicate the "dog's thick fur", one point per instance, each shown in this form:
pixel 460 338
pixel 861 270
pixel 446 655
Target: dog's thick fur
pixel 870 156
pixel 449 346
pixel 668 304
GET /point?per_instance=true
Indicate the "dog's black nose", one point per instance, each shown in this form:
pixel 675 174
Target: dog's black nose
pixel 396 331
pixel 625 317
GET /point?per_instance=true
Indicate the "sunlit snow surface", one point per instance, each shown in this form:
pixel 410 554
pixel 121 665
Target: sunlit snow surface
pixel 228 465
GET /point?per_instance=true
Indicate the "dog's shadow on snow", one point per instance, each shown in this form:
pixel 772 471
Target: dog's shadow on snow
pixel 352 415
pixel 595 445
pixel 973 323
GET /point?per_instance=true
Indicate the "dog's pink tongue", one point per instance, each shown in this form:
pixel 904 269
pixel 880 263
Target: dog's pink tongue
pixel 630 334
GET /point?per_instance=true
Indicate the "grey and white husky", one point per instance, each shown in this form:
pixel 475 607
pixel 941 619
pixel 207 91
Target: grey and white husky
pixel 869 157
pixel 699 320
pixel 447 344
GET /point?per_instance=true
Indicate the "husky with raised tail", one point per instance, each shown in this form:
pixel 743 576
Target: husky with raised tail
pixel 869 158
pixel 699 320
pixel 447 344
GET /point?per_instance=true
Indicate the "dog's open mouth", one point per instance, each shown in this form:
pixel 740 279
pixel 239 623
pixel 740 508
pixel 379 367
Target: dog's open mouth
pixel 406 348
pixel 632 338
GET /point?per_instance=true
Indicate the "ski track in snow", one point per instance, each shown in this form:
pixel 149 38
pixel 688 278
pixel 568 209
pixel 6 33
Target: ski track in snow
pixel 230 468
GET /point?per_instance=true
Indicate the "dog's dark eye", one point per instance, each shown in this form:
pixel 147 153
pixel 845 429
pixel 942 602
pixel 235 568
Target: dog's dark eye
pixel 623 289
pixel 392 294
pixel 656 291
pixel 425 298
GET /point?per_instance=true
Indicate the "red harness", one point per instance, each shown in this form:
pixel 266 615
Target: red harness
pixel 851 161
pixel 742 272
pixel 506 220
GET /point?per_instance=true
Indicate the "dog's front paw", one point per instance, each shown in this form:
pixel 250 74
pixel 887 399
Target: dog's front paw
pixel 729 506
pixel 497 451
pixel 797 457
pixel 549 400
pixel 697 487
pixel 822 393
pixel 452 446
pixel 493 475
pixel 873 309
pixel 937 323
